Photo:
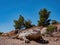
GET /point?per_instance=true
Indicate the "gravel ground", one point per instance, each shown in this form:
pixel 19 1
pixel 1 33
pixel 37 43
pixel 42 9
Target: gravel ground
pixel 4 41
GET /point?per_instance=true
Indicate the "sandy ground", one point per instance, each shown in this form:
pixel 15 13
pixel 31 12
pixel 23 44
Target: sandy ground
pixel 4 41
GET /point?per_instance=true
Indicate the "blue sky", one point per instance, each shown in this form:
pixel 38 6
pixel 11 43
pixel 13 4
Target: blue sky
pixel 11 9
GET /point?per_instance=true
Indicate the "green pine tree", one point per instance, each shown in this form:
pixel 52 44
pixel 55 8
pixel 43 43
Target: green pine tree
pixel 18 24
pixel 44 15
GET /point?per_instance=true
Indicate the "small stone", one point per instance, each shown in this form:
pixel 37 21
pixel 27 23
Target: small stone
pixel 27 41
pixel 56 39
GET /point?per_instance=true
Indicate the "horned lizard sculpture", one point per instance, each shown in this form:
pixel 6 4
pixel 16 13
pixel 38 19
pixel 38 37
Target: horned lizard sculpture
pixel 30 34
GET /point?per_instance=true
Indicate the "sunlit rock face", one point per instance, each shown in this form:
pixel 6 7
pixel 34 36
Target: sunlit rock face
pixel 58 27
pixel 43 30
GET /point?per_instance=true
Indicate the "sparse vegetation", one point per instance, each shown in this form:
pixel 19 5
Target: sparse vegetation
pixel 54 22
pixel 43 21
pixel 51 29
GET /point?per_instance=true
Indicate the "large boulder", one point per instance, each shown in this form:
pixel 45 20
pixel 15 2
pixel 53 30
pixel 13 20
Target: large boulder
pixel 30 34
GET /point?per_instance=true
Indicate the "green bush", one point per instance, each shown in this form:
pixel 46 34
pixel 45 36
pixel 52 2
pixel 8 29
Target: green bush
pixel 51 29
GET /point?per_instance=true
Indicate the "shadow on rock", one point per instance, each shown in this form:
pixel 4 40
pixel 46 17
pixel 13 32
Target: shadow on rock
pixel 42 41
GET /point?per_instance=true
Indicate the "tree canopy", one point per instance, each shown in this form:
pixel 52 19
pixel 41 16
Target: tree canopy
pixel 28 24
pixel 18 24
pixel 22 23
pixel 43 17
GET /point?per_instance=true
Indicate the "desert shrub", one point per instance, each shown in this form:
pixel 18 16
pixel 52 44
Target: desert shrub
pixel 51 29
pixel 54 22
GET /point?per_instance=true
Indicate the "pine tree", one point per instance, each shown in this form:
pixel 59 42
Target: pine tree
pixel 28 24
pixel 44 15
pixel 19 23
